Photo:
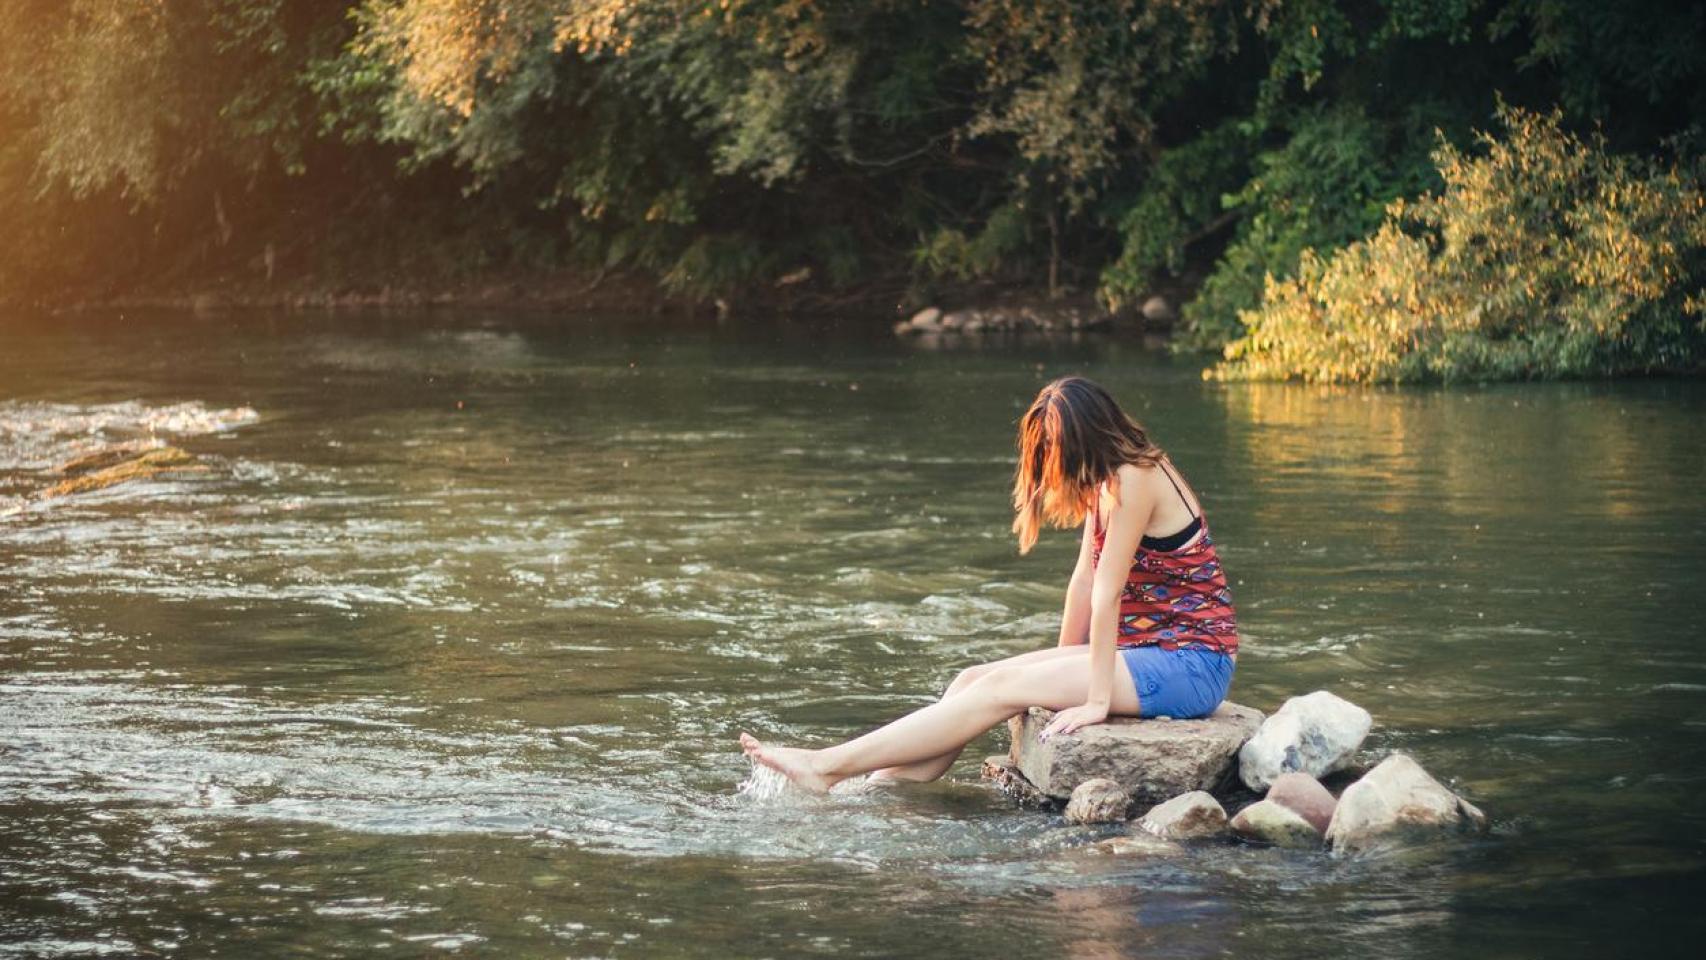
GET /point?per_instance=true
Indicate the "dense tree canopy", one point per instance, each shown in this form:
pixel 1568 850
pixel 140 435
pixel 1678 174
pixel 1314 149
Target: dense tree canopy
pixel 717 147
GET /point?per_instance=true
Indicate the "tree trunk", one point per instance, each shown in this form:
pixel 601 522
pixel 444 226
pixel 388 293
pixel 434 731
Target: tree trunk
pixel 1053 254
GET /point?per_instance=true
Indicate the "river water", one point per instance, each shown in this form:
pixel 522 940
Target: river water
pixel 446 650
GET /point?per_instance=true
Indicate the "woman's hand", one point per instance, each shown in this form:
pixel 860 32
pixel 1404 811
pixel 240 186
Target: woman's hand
pixel 1072 718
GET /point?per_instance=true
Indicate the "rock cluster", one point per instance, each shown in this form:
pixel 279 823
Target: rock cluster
pixel 933 320
pixel 1174 768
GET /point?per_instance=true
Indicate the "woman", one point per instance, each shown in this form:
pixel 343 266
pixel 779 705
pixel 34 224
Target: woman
pixel 1149 633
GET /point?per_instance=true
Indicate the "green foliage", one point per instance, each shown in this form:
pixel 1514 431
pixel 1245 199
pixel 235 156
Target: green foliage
pixel 1076 91
pixel 133 128
pixel 1076 84
pixel 951 253
pixel 1607 58
pixel 716 262
pixel 140 95
pixel 666 128
pixel 1182 199
pixel 1544 256
pixel 1326 186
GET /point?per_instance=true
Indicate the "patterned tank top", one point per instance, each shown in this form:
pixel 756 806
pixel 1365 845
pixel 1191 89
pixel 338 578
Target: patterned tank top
pixel 1175 597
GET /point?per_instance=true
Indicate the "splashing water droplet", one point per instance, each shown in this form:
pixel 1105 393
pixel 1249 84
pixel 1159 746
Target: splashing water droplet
pixel 763 784
pixel 766 786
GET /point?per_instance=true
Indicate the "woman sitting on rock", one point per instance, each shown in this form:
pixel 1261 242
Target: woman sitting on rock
pixel 1149 633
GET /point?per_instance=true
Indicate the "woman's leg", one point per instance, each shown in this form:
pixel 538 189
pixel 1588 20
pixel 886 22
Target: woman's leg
pixel 926 770
pixel 949 724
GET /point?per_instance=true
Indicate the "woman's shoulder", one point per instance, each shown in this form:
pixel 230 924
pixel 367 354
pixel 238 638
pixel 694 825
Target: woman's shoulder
pixel 1136 477
pixel 1130 484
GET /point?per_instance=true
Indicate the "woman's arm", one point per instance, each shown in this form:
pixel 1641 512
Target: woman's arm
pixel 1119 547
pixel 1075 619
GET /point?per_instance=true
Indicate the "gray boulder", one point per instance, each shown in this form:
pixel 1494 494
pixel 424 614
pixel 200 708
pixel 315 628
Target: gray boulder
pixel 1303 795
pixel 1153 760
pixel 1268 822
pixel 1098 801
pixel 1188 816
pixel 1398 798
pixel 1314 734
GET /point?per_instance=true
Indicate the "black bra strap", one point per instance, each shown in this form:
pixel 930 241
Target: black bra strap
pixel 1164 469
pixel 1096 508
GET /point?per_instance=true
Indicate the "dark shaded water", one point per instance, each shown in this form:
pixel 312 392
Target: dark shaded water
pixel 448 649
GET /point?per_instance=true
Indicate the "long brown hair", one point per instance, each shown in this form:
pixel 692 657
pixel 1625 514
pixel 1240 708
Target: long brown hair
pixel 1071 440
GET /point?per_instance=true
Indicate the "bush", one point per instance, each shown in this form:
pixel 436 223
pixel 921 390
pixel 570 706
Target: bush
pixel 1327 186
pixel 1546 256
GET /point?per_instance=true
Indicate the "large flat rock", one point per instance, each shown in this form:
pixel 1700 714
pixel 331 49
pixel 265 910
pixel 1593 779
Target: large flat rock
pixel 1154 760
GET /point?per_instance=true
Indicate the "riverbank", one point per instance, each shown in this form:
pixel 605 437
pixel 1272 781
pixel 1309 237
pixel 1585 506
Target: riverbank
pixel 885 301
pixel 563 289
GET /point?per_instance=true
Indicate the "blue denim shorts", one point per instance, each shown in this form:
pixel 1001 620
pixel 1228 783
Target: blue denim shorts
pixel 1184 683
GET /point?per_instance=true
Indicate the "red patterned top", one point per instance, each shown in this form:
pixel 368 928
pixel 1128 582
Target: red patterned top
pixel 1175 598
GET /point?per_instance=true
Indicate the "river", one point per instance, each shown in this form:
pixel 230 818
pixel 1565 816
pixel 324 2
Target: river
pixel 447 649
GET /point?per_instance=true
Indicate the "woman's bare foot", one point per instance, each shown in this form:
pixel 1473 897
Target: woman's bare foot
pixel 791 762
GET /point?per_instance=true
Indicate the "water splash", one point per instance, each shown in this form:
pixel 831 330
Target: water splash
pixel 767 787
pixel 36 436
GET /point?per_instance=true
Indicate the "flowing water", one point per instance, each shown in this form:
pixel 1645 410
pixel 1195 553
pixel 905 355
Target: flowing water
pixel 446 650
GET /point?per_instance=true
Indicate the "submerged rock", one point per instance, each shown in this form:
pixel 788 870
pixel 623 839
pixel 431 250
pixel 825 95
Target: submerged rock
pixel 149 463
pixel 1398 797
pixel 1314 734
pixel 1188 816
pixel 1268 822
pixel 1152 760
pixel 1304 795
pixel 1137 843
pixel 107 456
pixel 1098 801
